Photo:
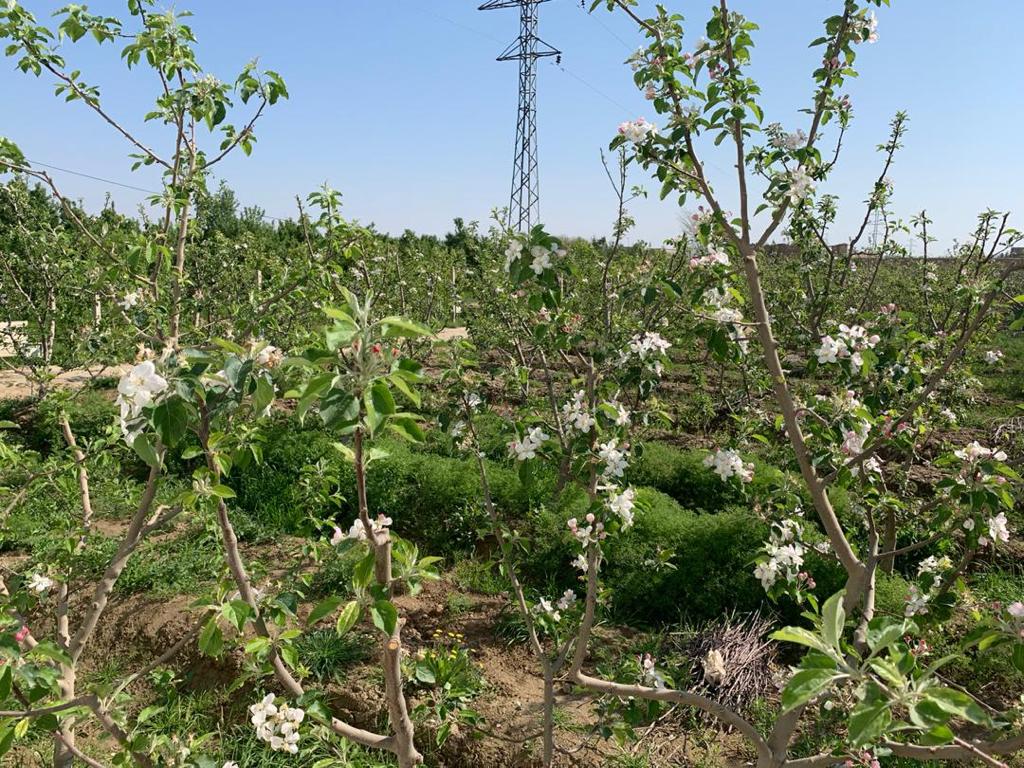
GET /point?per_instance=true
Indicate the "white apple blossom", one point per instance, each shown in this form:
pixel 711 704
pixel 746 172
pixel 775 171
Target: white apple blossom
pixel 637 131
pixel 829 350
pixel 854 439
pixel 577 417
pixel 39 583
pixel 277 726
pixel 131 299
pixel 993 356
pixel 917 603
pixel 800 185
pixel 588 534
pixel 614 458
pixel 622 414
pixel 998 531
pixel 527 447
pixel 138 389
pixel 976 451
pixel 513 252
pixel 711 258
pixel 544 606
pixel 1016 609
pixel 566 601
pixel 727 462
pixel 648 344
pixel 541 259
pixel 358 530
pixel 650 675
pixel 580 563
pixel 622 504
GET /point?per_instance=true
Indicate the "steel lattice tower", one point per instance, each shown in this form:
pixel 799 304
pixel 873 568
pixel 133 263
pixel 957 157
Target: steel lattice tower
pixel 524 203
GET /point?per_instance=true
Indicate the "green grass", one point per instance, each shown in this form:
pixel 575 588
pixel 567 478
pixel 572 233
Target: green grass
pixel 329 656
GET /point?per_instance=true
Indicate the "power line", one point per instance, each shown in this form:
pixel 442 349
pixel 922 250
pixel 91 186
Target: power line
pixel 120 183
pixel 606 28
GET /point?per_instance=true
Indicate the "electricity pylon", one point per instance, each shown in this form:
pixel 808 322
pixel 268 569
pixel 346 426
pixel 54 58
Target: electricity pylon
pixel 524 203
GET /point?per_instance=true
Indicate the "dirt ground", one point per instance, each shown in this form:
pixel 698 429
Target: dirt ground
pixel 16 385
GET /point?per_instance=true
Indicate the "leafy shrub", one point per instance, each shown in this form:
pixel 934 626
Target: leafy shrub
pixel 682 475
pixel 673 563
pixel 433 499
pixel 92 414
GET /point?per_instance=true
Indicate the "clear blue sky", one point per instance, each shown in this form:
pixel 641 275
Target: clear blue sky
pixel 401 105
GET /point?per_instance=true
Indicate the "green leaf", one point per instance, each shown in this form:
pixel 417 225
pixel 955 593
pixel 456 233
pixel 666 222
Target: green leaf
pixel 347 617
pixel 144 446
pixel 402 386
pixel 407 429
pixel 237 612
pixel 384 616
pixel 363 571
pixel 425 674
pixel 868 721
pixel 323 608
pixel 883 632
pixel 958 704
pixel 833 618
pixel 383 400
pixel 222 492
pixel 805 685
pixel 211 639
pixel 5 683
pixel 800 636
pixel 1018 656
pixel 399 327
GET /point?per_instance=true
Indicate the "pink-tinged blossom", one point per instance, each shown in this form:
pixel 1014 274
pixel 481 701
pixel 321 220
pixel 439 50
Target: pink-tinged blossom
pixel 917 602
pixel 638 131
pixel 998 531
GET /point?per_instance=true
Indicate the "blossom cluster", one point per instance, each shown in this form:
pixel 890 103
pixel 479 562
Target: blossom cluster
pixel 801 184
pixel 554 612
pixel 849 343
pixel 993 356
pixel 138 389
pixel 779 139
pixel 783 556
pixel 867 27
pixel 576 414
pixel 357 531
pixel 722 313
pixel 638 131
pixel 527 447
pixel 650 348
pixel 540 255
pixel 615 458
pixel 711 258
pixel 277 726
pixel 727 462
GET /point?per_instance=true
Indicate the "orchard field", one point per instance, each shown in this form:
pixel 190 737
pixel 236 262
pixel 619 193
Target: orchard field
pixel 305 494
